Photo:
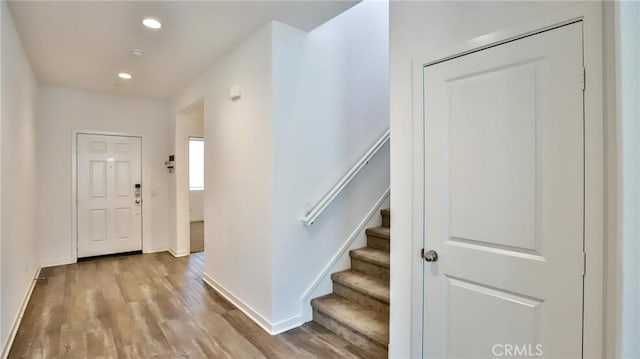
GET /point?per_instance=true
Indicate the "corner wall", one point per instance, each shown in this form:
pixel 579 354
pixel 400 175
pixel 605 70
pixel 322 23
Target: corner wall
pixel 330 105
pixel 62 111
pixel 312 104
pixel 18 248
pixel 238 177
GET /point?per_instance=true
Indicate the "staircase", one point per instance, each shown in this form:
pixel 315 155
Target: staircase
pixel 358 308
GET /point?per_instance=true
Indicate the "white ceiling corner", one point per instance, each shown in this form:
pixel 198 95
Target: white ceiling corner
pixel 84 44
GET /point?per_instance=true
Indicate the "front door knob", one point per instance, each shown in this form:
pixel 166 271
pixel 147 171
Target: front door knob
pixel 431 256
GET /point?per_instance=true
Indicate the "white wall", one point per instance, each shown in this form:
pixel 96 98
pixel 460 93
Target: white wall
pixel 331 103
pixel 196 206
pixel 238 178
pixel 628 90
pixel 419 30
pixel 62 111
pixel 312 104
pixel 18 250
pixel 3 10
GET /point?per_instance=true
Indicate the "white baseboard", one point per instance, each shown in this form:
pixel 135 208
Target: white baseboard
pixel 305 299
pixel 58 262
pixel 156 250
pixel 286 325
pixel 16 322
pixel 271 328
pixel 177 254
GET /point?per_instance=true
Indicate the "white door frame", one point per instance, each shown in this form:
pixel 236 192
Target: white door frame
pixel 74 184
pixel 591 16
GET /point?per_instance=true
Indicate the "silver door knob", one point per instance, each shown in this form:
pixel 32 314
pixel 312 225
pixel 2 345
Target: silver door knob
pixel 431 256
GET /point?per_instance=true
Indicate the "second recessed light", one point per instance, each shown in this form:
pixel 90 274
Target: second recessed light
pixel 125 75
pixel 152 23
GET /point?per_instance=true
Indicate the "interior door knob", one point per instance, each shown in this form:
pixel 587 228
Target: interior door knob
pixel 431 256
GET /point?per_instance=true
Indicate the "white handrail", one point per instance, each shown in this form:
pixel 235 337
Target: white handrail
pixel 324 202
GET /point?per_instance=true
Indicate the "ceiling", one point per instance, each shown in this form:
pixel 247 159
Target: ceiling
pixel 85 44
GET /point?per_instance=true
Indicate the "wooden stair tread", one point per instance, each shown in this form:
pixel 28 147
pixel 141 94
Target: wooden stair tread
pixel 371 255
pixel 380 232
pixel 385 212
pixel 360 282
pixel 369 323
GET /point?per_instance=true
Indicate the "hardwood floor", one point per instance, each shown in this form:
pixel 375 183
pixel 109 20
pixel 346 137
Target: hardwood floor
pixel 151 306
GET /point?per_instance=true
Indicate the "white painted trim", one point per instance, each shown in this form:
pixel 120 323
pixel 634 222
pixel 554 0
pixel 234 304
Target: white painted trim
pixel 6 348
pixel 186 190
pixel 74 184
pixel 177 254
pixel 590 13
pixel 58 262
pixel 326 200
pixel 264 323
pixel 286 325
pixel 156 250
pixel 305 299
pixel 417 230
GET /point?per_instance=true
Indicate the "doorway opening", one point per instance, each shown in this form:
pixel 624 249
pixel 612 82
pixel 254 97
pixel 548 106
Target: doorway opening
pixel 196 194
pixel 189 180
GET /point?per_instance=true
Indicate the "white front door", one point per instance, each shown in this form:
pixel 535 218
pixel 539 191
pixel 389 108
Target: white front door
pixel 109 205
pixel 504 201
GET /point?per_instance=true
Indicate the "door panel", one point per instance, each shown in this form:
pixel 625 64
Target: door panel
pixel 109 219
pixel 519 322
pixel 123 223
pixel 123 148
pixel 98 179
pixel 98 225
pixel 505 101
pixel 123 178
pixel 98 147
pixel 504 198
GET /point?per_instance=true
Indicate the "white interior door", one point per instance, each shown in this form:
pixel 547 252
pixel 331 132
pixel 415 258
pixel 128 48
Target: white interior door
pixel 504 174
pixel 109 206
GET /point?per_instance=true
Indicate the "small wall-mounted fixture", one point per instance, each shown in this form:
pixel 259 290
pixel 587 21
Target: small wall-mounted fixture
pixel 171 163
pixel 234 93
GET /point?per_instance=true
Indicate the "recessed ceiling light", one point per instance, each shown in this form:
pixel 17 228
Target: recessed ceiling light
pixel 151 23
pixel 137 52
pixel 124 75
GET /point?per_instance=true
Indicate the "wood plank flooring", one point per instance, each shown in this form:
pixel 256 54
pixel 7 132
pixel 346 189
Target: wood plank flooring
pixel 151 306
